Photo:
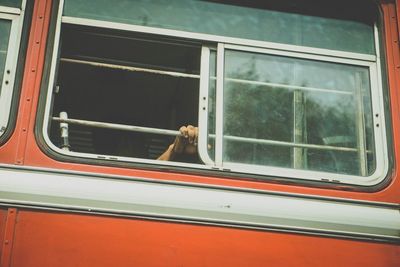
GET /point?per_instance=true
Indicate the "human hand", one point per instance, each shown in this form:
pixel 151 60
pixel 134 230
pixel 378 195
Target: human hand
pixel 186 143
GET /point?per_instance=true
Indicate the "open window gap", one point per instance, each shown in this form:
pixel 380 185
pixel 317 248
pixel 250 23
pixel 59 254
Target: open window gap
pixel 122 82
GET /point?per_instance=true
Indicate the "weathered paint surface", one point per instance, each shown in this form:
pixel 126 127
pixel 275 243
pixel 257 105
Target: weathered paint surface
pixel 3 218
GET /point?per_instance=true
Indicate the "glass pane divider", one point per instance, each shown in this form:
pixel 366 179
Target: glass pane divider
pixel 203 106
pixel 219 116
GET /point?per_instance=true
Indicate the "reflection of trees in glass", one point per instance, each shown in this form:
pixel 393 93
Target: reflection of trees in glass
pixel 326 121
pixel 256 111
pixel 267 112
pixel 332 125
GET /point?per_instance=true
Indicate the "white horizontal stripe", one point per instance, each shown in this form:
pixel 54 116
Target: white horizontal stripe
pixel 208 205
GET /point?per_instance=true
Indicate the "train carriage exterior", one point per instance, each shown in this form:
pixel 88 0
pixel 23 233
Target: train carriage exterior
pixel 297 107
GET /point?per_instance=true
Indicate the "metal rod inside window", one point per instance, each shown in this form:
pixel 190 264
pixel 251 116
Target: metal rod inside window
pixel 287 144
pixel 116 126
pixel 299 127
pixel 287 86
pixel 177 133
pixel 130 68
pixel 219 105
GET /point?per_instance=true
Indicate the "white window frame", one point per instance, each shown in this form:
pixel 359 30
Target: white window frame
pixel 15 16
pixel 377 108
pixel 370 61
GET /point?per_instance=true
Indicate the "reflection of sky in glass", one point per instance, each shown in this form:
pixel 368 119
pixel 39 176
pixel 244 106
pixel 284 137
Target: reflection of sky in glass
pixel 259 104
pixel 4 33
pixel 11 3
pixel 233 21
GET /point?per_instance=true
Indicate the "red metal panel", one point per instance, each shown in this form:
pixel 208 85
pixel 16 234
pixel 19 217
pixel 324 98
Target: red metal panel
pixel 398 16
pixel 8 241
pixel 47 240
pixel 391 21
pixel 3 218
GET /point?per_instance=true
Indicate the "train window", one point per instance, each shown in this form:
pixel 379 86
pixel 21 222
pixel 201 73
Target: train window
pixel 290 89
pixel 10 27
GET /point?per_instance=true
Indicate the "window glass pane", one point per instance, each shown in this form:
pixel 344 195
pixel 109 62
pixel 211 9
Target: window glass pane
pixel 5 27
pixel 340 26
pixel 304 114
pixel 11 3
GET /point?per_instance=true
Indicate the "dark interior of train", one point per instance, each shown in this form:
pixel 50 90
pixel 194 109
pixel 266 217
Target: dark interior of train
pixel 119 77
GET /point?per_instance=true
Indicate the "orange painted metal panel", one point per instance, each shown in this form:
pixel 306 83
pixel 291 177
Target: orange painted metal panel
pixel 49 239
pixel 8 241
pixel 398 17
pixel 3 218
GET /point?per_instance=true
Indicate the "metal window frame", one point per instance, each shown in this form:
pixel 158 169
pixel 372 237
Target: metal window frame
pixel 16 16
pixel 204 105
pixel 378 121
pixel 11 10
pixel 47 117
pixel 310 53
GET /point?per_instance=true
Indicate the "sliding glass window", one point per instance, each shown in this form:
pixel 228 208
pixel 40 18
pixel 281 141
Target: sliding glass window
pixel 276 89
pixel 280 112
